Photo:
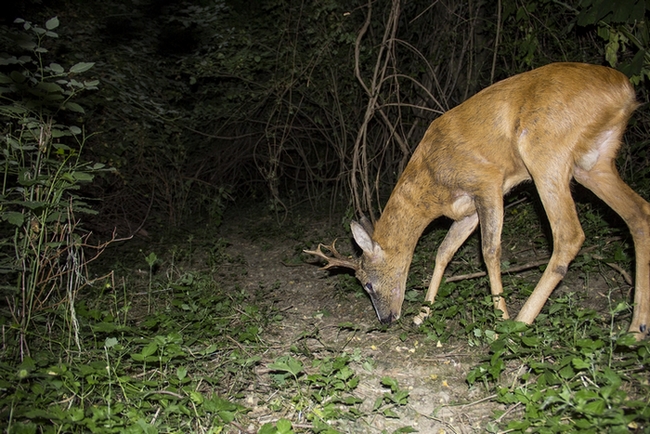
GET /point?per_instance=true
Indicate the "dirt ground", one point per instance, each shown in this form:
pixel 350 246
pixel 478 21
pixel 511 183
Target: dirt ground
pixel 440 399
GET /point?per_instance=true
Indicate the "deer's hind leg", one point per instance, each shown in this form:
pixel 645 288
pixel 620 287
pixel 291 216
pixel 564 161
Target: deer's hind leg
pixel 552 179
pixel 603 179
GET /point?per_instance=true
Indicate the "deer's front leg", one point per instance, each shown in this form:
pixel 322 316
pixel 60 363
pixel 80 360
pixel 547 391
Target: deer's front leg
pixel 458 233
pixel 490 210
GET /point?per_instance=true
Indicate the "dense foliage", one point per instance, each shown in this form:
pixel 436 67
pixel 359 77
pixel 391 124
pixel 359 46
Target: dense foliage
pixel 292 101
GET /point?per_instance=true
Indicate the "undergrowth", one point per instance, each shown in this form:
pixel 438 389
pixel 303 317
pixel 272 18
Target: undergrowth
pixel 141 372
pixel 171 346
pixel 571 371
pixel 575 369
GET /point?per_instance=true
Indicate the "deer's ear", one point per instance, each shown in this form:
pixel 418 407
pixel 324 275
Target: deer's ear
pixel 364 240
pixel 367 225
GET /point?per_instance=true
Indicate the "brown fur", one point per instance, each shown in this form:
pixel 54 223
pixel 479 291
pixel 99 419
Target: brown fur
pixel 549 125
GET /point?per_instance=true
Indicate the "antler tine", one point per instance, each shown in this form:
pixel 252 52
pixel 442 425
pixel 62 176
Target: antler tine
pixel 337 261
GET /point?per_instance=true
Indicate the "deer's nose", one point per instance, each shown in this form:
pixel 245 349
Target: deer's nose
pixel 389 318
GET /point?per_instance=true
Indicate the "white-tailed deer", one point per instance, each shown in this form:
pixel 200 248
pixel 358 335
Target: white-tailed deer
pixel 549 125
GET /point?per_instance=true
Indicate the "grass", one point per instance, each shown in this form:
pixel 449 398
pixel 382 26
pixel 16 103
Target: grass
pixel 180 347
pixel 152 373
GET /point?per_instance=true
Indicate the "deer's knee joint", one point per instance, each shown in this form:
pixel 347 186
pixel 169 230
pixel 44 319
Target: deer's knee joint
pixel 561 270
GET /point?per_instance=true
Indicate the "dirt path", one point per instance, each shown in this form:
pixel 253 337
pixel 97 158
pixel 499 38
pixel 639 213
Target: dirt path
pixel 314 308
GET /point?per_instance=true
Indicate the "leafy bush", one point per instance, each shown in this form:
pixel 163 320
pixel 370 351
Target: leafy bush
pixel 42 257
pixel 623 27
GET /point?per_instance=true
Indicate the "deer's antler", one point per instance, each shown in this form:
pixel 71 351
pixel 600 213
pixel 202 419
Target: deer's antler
pixel 337 261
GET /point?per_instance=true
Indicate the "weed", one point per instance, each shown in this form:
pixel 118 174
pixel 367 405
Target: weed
pixel 321 393
pixel 389 400
pixel 142 378
pixel 42 259
pixel 282 426
pixel 151 262
pixel 569 376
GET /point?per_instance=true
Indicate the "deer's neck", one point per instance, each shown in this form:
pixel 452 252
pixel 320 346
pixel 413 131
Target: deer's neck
pixel 415 202
pixel 401 224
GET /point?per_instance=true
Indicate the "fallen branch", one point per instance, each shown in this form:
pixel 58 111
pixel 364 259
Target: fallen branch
pixel 624 273
pixel 533 264
pixel 523 267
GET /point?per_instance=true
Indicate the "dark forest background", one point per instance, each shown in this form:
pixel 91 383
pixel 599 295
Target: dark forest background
pixel 201 103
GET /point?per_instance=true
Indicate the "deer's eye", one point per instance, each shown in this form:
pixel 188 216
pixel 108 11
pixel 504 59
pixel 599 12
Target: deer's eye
pixel 369 287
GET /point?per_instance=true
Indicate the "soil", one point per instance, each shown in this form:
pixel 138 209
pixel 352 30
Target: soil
pixel 314 307
pixel 440 400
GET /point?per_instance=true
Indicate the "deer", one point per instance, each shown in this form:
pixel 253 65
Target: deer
pixel 550 125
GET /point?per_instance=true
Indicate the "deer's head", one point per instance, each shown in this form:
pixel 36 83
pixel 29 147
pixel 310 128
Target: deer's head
pixel 383 278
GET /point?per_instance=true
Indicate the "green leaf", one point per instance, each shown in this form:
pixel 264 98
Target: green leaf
pixel 596 407
pixel 81 67
pixel 580 364
pixel 83 176
pixel 267 428
pixel 56 133
pixel 151 259
pixel 401 397
pixel 149 349
pixel 530 341
pixel 519 425
pixel 287 364
pixel 17 77
pixel 567 372
pixel 284 426
pixel 626 340
pixel 349 326
pixel 217 405
pixel 390 382
pixel 612 377
pixel 390 413
pixel 405 429
pixel 351 400
pixel 635 66
pixel 74 107
pixel 623 11
pixel 227 416
pixel 13 217
pixel 40 414
pixel 52 23
pixel 480 372
pixel 28 363
pixel 196 397
pixel 146 427
pixel 56 68
pixel 76 414
pixel 49 87
pixel 105 327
